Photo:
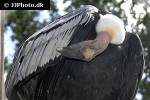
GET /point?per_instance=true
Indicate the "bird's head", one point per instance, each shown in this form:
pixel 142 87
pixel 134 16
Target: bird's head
pixel 109 29
pixel 112 25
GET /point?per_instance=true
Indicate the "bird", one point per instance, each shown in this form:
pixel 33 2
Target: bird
pixel 84 55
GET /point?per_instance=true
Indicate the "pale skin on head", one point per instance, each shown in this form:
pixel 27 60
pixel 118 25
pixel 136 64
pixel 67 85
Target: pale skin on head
pixel 109 30
pixel 87 50
pixel 97 46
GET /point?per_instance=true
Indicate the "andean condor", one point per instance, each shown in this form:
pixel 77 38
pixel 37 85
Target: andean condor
pixel 83 55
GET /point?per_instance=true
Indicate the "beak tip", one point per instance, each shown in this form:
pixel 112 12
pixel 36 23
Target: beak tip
pixel 59 49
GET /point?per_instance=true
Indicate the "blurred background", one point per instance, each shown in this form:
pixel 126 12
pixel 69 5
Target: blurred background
pixel 135 14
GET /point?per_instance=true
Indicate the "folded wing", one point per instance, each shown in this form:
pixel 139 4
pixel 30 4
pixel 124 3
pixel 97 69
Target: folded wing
pixel 41 48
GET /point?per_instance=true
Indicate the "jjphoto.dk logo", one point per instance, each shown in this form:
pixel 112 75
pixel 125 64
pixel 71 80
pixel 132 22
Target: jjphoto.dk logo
pixel 25 5
pixel 15 5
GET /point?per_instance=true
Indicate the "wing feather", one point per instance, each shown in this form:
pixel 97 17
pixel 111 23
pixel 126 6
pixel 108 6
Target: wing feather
pixel 40 55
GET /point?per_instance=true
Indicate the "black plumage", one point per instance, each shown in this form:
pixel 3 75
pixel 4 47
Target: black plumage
pixel 112 75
